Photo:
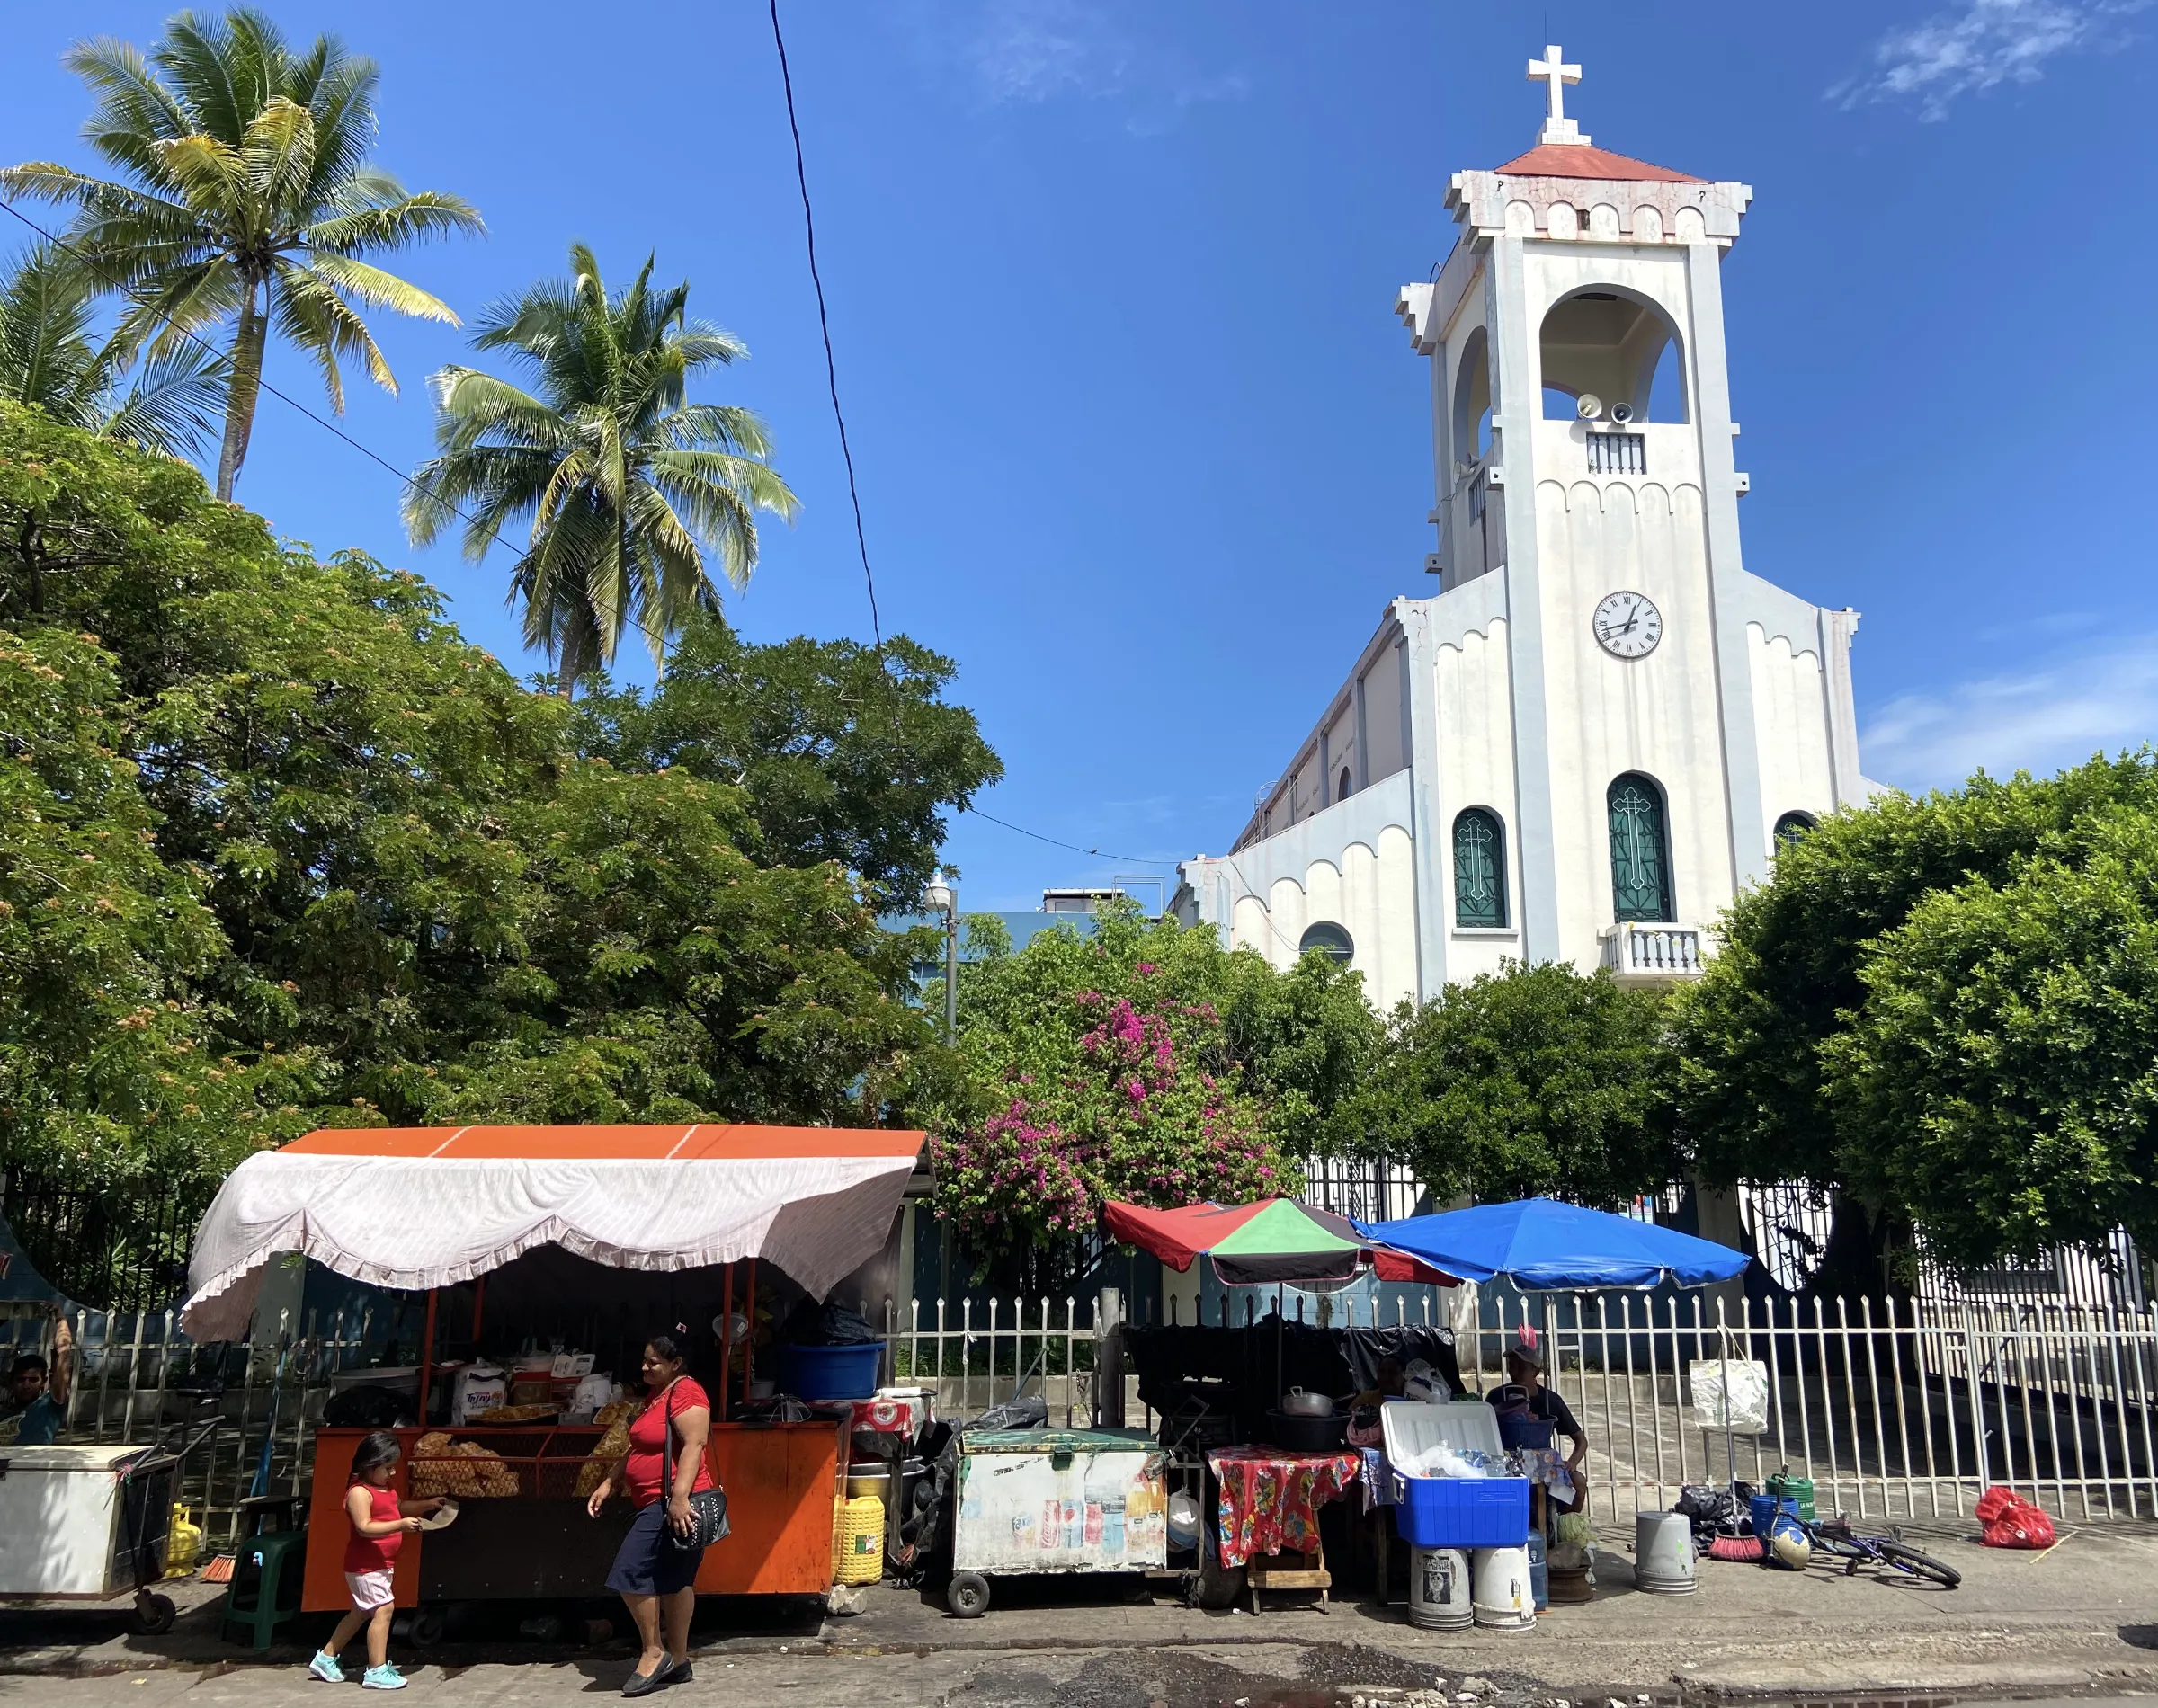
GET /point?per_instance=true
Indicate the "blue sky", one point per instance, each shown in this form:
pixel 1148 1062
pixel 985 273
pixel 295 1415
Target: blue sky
pixel 1140 441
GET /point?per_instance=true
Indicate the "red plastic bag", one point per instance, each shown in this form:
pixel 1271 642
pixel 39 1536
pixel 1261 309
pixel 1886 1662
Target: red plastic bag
pixel 2012 1522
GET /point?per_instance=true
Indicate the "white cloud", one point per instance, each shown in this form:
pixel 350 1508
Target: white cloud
pixel 1981 45
pixel 1031 51
pixel 2054 714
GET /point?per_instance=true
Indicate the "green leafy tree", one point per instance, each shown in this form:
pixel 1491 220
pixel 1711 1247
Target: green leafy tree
pixel 246 197
pixel 283 848
pixel 628 484
pixel 1536 1080
pixel 846 752
pixel 1999 1079
pixel 48 358
pixel 1143 1062
pixel 1753 1032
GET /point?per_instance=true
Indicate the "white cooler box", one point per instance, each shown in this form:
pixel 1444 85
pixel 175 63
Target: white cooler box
pixel 74 1523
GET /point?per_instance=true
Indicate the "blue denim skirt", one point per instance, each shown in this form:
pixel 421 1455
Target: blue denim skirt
pixel 649 1563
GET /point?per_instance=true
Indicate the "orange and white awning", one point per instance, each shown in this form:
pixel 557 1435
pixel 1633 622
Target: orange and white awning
pixel 418 1207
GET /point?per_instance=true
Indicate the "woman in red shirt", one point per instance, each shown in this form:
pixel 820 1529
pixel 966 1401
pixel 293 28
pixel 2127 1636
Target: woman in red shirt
pixel 654 1573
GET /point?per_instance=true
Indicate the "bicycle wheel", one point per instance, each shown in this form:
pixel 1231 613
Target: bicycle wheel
pixel 1905 1558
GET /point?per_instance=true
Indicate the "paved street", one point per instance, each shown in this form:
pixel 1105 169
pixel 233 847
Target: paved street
pixel 2082 1621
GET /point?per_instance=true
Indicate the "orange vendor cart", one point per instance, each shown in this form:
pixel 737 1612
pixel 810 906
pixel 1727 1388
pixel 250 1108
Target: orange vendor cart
pixel 698 1210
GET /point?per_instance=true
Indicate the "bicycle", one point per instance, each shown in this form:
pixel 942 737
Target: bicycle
pixel 1837 1540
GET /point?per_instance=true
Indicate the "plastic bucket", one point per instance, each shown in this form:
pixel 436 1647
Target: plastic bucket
pixel 1664 1553
pixel 1439 1591
pixel 1504 1599
pixel 1763 1509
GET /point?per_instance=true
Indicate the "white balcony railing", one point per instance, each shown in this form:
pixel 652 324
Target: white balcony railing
pixel 1636 949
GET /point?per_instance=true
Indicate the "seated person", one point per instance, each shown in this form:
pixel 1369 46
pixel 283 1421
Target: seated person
pixel 1525 1395
pixel 1390 1384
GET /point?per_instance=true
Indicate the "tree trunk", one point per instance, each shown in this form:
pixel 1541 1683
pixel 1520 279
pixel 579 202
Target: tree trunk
pixel 241 393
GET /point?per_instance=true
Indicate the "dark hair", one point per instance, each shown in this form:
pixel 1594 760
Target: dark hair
pixel 666 1348
pixel 377 1449
pixel 25 1362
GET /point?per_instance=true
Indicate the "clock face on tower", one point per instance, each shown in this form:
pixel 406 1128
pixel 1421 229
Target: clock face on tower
pixel 1627 624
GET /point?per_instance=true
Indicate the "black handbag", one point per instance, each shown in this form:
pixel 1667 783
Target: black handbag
pixel 708 1507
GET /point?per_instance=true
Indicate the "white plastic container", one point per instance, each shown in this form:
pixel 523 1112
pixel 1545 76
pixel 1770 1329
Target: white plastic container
pixel 479 1388
pixel 66 1516
pixel 1505 1598
pixel 1664 1553
pixel 1439 1589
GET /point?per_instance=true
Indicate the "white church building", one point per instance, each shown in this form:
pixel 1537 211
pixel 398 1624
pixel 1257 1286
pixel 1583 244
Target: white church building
pixel 1600 727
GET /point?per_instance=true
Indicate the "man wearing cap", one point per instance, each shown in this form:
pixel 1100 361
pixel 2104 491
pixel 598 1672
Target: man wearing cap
pixel 1525 1395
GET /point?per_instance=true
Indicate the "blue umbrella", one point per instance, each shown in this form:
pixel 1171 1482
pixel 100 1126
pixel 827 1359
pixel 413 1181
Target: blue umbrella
pixel 1541 1245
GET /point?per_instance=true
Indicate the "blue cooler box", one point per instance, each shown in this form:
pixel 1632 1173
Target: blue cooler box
pixel 1461 1512
pixel 1452 1512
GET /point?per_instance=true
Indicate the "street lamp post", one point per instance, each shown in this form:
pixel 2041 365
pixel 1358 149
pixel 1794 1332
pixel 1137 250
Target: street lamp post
pixel 946 900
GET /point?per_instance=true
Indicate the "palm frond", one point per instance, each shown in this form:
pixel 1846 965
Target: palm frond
pixel 307 309
pixel 210 174
pixel 176 405
pixel 379 290
pixel 224 69
pixel 279 152
pixel 409 220
pixel 134 111
pixel 343 100
pixel 45 354
pixel 719 427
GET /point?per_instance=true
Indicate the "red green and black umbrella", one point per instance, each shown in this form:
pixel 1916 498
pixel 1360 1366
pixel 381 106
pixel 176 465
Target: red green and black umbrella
pixel 1276 1240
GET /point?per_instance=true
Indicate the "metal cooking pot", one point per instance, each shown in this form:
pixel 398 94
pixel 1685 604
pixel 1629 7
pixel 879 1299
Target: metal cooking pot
pixel 1297 1403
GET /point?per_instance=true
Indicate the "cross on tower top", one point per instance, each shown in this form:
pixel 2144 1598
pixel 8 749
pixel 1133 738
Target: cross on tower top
pixel 1552 71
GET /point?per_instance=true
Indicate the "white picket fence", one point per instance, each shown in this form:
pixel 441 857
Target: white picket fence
pixel 1906 1413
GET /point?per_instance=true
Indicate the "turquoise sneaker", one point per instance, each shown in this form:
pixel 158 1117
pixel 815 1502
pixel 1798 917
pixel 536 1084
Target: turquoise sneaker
pixel 325 1666
pixel 383 1678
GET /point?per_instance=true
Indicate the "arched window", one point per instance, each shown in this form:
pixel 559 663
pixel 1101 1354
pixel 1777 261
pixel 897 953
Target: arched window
pixel 1791 829
pixel 1479 870
pixel 1640 850
pixel 1346 788
pixel 1330 940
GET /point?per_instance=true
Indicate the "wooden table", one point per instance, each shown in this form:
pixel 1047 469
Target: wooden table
pixel 1268 1520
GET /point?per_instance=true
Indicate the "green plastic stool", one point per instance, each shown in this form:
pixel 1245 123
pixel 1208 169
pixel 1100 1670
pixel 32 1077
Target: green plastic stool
pixel 258 1613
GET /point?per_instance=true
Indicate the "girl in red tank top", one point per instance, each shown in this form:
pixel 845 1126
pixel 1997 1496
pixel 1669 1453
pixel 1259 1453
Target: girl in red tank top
pixel 380 1527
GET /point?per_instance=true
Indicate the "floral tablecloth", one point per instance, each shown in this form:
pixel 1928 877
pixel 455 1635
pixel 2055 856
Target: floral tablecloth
pixel 1270 1500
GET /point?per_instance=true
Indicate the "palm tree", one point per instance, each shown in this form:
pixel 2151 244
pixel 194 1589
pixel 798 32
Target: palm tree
pixel 47 358
pixel 626 482
pixel 247 197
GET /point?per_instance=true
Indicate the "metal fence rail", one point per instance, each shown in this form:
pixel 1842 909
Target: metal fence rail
pixel 1907 1411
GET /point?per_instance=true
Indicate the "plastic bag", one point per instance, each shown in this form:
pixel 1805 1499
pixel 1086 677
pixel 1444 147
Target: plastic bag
pixel 1743 1381
pixel 2012 1522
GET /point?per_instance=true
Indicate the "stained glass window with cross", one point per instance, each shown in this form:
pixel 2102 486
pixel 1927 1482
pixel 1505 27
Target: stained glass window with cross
pixel 1640 851
pixel 1479 870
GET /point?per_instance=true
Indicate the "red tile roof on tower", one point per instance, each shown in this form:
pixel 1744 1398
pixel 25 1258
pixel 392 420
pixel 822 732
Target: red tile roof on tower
pixel 1577 160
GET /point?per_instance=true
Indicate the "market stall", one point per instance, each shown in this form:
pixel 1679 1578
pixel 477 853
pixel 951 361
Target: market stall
pixel 553 1237
pixel 1255 1419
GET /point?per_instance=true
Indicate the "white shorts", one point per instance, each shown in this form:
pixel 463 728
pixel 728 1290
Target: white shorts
pixel 370 1590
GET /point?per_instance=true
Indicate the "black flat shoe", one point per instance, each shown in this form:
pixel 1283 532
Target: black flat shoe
pixel 681 1672
pixel 643 1684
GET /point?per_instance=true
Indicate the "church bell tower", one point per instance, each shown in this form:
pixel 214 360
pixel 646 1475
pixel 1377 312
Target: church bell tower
pixel 1583 442
pixel 1601 727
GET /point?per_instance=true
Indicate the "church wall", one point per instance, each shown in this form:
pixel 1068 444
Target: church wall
pixel 1382 716
pixel 1658 715
pixel 1474 703
pixel 1790 713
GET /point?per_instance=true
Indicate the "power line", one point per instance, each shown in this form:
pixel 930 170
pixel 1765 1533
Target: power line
pixel 1136 859
pixel 801 177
